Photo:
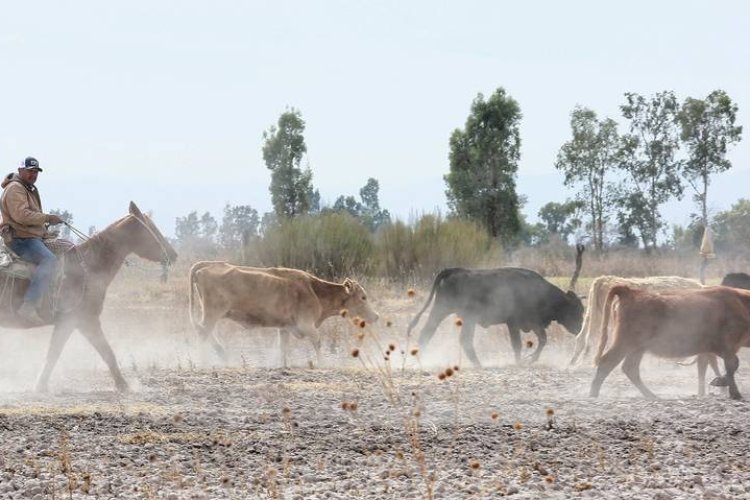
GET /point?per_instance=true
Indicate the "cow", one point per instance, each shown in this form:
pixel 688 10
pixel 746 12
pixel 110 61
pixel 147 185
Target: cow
pixel 734 280
pixel 518 297
pixel 737 280
pixel 597 294
pixel 292 300
pixel 679 324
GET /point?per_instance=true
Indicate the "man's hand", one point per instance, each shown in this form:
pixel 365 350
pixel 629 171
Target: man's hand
pixel 54 219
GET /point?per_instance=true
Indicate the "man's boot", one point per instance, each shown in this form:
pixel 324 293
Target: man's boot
pixel 28 313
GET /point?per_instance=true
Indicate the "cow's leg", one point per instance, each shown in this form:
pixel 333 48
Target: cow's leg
pixel 702 363
pixel 60 336
pixel 283 345
pixel 437 315
pixel 731 363
pixel 607 363
pixel 315 339
pixel 212 311
pixel 632 368
pixel 582 340
pixel 541 335
pixel 467 342
pixel 92 330
pixel 515 341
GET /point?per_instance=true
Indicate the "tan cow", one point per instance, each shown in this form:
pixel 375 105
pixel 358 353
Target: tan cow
pixel 292 300
pixel 598 291
pixel 683 323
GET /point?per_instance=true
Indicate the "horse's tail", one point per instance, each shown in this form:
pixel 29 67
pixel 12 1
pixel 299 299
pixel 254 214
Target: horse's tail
pixel 192 286
pixel 442 275
pixel 614 292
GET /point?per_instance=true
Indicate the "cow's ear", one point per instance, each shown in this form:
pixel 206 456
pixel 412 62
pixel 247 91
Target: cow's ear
pixel 348 285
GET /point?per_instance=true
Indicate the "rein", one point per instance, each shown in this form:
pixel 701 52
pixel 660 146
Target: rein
pixel 165 260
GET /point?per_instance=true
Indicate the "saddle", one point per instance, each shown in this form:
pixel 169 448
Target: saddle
pixel 69 275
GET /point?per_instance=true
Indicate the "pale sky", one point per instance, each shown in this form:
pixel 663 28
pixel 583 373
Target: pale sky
pixel 165 102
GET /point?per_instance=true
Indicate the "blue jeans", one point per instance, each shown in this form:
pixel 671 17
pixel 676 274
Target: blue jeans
pixel 34 250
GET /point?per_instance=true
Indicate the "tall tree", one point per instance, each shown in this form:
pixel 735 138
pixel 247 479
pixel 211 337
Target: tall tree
pixel 733 229
pixel 484 164
pixel 368 210
pixel 291 186
pixel 648 159
pixel 196 233
pixel 560 218
pixel 707 129
pixel 238 225
pixel 585 160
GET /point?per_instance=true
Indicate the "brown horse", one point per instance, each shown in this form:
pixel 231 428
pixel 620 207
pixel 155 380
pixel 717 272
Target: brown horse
pixel 102 255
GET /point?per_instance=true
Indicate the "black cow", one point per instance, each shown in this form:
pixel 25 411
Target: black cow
pixel 521 298
pixel 737 280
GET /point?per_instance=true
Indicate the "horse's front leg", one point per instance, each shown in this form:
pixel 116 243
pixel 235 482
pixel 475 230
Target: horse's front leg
pixel 92 329
pixel 60 336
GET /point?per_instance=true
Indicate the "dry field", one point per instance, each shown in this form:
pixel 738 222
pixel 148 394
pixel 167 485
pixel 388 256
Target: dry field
pixel 355 427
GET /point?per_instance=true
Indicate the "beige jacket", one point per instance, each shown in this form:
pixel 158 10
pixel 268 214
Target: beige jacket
pixel 21 208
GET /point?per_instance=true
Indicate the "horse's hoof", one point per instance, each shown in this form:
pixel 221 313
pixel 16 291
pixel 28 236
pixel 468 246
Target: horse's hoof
pixel 719 382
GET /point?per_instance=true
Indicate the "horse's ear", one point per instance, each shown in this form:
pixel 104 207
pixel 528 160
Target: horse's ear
pixel 134 210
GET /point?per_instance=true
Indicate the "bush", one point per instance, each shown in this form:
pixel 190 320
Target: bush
pixel 433 243
pixel 332 245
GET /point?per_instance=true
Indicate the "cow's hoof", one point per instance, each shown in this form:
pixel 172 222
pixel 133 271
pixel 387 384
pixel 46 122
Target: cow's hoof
pixel 719 382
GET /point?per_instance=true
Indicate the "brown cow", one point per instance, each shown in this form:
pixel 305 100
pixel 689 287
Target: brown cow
pixel 682 323
pixel 292 300
pixel 598 292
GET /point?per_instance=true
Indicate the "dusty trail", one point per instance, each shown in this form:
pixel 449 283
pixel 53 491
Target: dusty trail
pixel 258 433
pixel 194 429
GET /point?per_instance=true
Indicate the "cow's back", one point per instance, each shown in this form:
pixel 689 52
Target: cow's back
pixel 737 280
pixel 493 296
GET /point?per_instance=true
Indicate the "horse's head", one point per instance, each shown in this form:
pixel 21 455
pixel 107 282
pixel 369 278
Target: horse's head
pixel 147 240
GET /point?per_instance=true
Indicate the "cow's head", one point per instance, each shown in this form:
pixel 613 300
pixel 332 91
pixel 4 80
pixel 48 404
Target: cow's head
pixel 356 303
pixel 571 313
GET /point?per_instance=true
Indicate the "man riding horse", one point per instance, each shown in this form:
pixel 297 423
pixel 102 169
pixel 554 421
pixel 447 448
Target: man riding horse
pixel 24 228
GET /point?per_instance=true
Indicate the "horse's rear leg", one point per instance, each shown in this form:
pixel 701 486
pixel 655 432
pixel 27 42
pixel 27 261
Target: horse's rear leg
pixel 60 336
pixel 93 332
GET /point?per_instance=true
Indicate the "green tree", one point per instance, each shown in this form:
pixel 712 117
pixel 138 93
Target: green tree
pixel 561 218
pixel 484 164
pixel 196 233
pixel 238 225
pixel 585 160
pixel 291 188
pixel 707 129
pixel 732 229
pixel 648 160
pixel 368 211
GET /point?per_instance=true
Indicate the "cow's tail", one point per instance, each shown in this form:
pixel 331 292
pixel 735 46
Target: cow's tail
pixel 438 279
pixel 614 292
pixel 691 361
pixel 192 287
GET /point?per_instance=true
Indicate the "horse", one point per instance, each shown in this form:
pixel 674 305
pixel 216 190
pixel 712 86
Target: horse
pixel 84 288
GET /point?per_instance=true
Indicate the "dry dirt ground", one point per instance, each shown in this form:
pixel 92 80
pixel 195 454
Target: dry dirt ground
pixel 354 427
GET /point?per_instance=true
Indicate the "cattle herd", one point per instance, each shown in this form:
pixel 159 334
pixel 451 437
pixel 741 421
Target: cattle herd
pixel 667 316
